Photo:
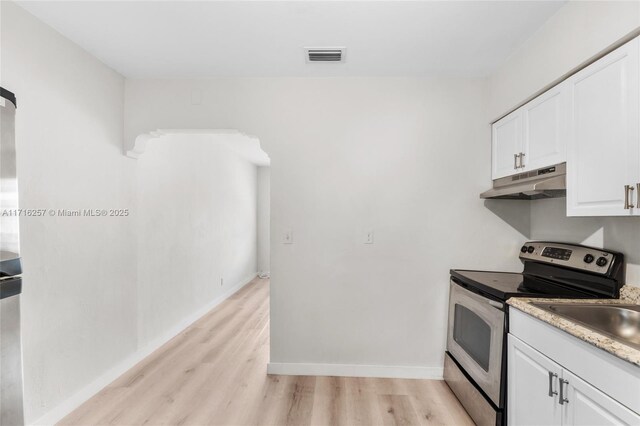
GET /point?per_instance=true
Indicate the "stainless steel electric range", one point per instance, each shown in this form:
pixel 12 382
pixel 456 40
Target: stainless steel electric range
pixel 475 362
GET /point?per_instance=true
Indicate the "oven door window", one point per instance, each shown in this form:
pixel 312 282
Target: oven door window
pixel 473 335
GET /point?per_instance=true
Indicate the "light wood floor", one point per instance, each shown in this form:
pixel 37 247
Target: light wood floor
pixel 214 373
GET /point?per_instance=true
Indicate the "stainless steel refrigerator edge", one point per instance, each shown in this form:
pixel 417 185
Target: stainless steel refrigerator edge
pixel 11 394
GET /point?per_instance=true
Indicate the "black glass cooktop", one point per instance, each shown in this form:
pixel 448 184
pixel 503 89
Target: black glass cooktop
pixel 504 285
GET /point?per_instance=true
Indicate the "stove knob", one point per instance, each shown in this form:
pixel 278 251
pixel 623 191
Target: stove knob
pixel 523 249
pixel 588 258
pixel 530 249
pixel 601 261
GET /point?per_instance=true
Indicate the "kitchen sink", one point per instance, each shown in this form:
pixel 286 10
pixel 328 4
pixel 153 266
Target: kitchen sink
pixel 619 322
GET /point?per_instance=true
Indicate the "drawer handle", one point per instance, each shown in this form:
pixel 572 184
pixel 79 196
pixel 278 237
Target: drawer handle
pixel 638 195
pixel 551 377
pixel 562 399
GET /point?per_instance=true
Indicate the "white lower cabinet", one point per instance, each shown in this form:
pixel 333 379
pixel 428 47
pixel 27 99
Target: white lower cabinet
pixel 528 377
pixel 542 392
pixel 588 406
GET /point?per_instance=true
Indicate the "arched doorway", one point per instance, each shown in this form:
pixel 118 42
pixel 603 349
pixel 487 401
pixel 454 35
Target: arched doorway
pixel 202 219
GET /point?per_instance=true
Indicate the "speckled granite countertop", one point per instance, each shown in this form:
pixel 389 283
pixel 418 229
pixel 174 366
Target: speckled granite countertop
pixel 628 295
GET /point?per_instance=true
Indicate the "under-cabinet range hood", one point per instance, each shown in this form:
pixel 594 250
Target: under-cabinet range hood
pixel 547 182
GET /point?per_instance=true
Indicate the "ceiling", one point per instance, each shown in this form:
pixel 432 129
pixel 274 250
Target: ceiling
pixel 185 39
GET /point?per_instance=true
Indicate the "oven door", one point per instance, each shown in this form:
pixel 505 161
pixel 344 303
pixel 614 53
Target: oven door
pixel 475 337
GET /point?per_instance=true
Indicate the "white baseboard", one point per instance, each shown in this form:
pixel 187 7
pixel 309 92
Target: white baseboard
pixel 67 406
pixel 354 370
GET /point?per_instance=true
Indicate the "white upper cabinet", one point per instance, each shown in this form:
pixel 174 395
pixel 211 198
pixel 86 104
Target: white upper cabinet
pixel 603 155
pixel 533 136
pixel 546 123
pixel 506 141
pixel 591 121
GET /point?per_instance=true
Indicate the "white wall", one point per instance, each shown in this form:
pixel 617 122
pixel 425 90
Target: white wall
pixel 264 219
pixel 87 314
pixel 197 225
pixel 406 157
pixel 549 222
pixel 578 31
pixel 80 296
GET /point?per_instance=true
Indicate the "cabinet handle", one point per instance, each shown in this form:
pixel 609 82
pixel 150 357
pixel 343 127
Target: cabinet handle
pixel 628 204
pixel 551 391
pixel 515 161
pixel 562 400
pixel 626 197
pixel 638 195
pixel 522 160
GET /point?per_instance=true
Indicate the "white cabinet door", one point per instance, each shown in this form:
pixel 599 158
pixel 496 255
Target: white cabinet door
pixel 602 154
pixel 529 384
pixel 586 405
pixel 546 123
pixel 538 130
pixel 506 143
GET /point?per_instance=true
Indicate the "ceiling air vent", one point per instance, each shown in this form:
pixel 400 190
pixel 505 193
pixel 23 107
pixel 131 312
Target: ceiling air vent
pixel 325 54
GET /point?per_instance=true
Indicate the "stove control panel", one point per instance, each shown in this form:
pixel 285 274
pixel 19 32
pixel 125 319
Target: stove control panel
pixel 569 255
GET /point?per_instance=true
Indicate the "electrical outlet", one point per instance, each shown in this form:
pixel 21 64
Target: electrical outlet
pixel 368 236
pixel 287 237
